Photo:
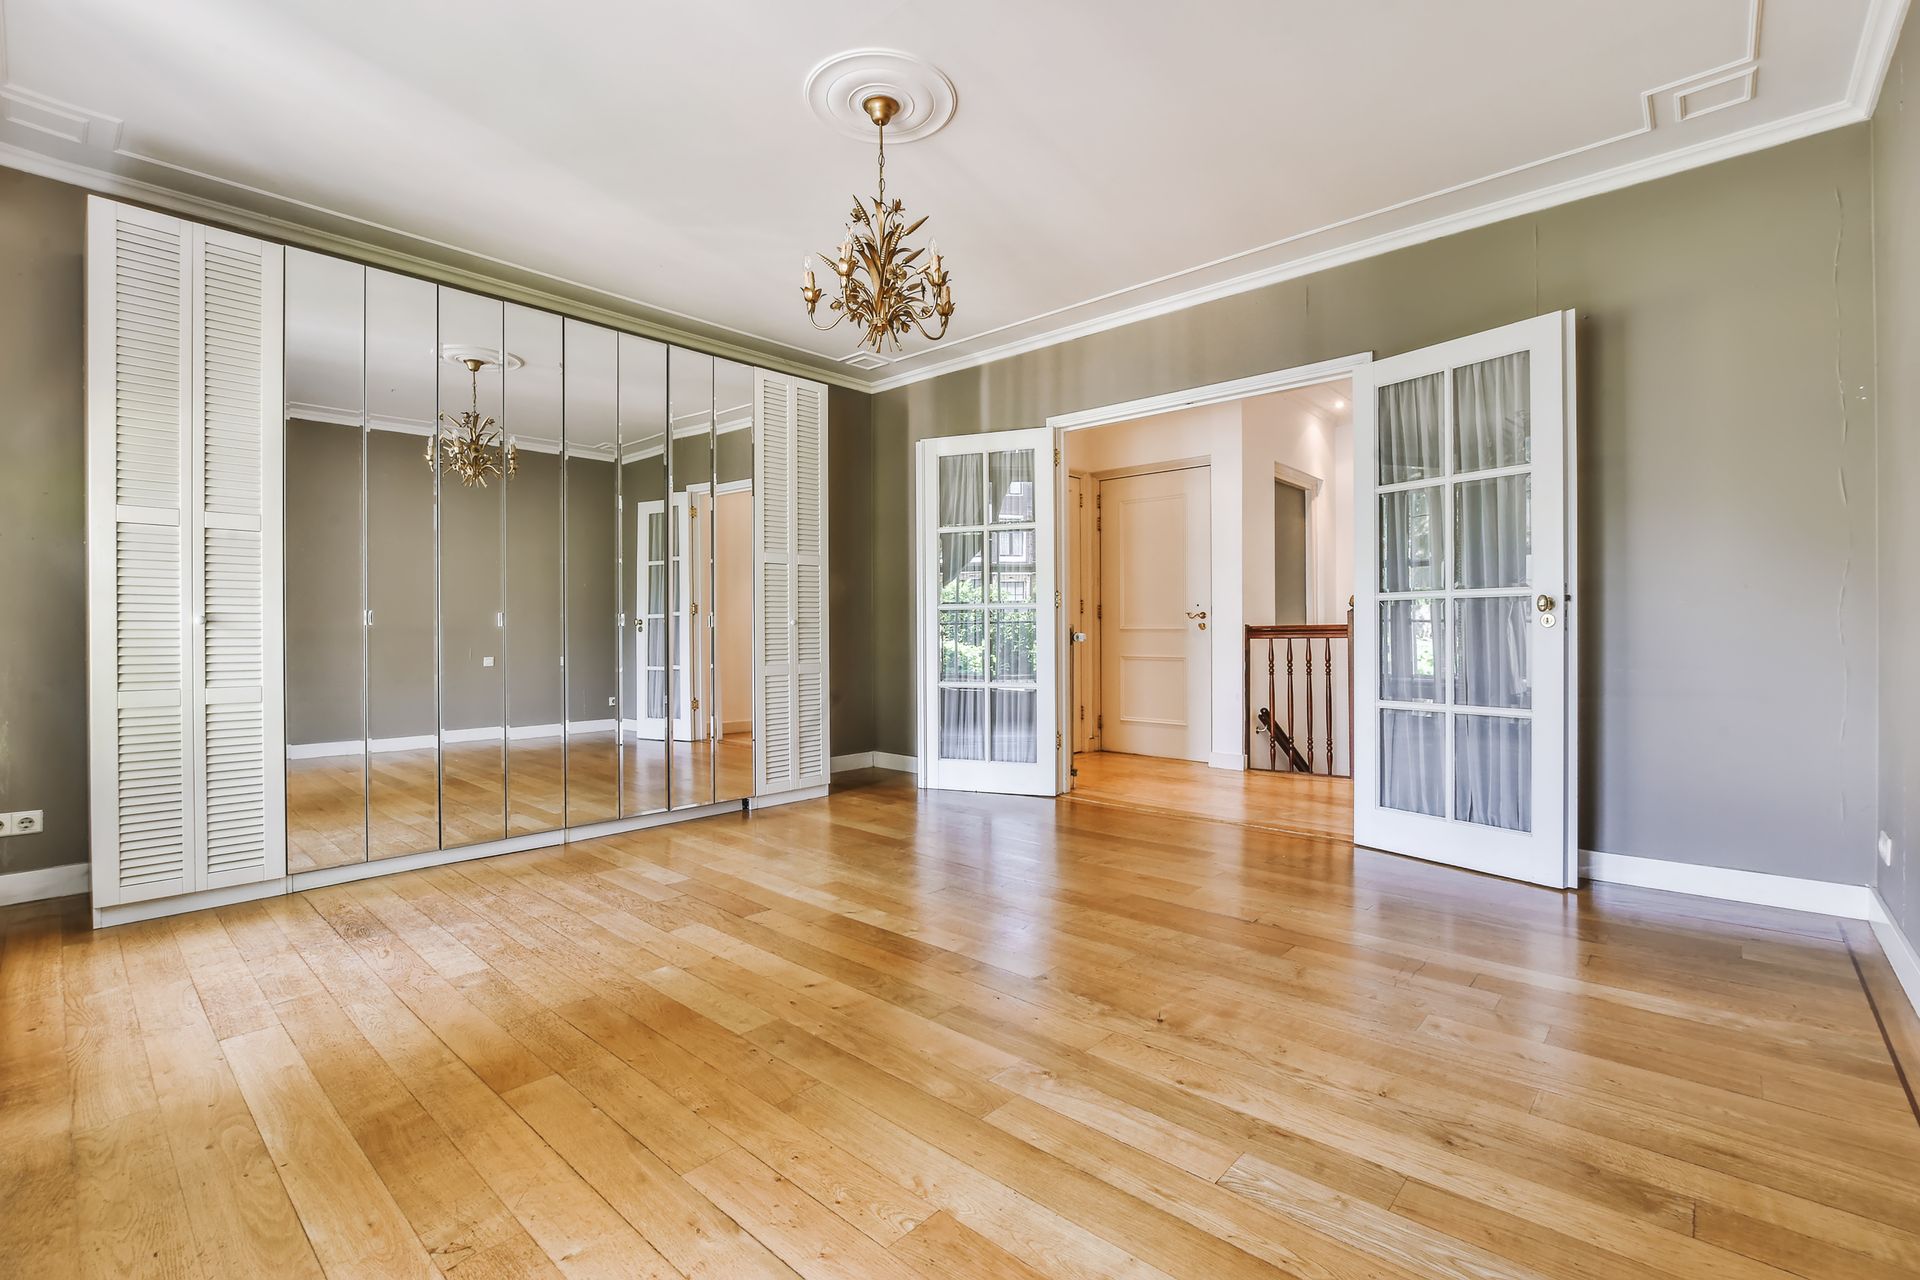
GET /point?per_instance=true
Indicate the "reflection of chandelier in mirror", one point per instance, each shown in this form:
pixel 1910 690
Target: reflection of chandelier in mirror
pixel 470 446
pixel 896 296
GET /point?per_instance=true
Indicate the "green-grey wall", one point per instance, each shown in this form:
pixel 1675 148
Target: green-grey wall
pixel 1726 453
pixel 1896 189
pixel 43 570
pixel 850 609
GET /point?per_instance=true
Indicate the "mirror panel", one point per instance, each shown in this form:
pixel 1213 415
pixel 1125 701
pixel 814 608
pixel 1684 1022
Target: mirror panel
pixel 402 694
pixel 645 641
pixel 732 620
pixel 592 573
pixel 536 675
pixel 472 572
pixel 326 632
pixel 690 575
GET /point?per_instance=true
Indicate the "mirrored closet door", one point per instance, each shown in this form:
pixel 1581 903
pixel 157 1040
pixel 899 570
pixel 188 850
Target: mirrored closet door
pixel 326 571
pixel 519 570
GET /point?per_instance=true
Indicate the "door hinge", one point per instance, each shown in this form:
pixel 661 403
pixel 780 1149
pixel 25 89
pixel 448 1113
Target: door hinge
pixel 1083 713
pixel 1096 524
pixel 1058 740
pixel 1100 611
pixel 1056 599
pixel 1100 723
pixel 696 704
pixel 1056 457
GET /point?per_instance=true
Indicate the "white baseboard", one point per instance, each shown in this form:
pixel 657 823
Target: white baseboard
pixel 1899 948
pixel 1849 901
pixel 786 797
pixel 876 760
pixel 898 763
pixel 48 882
pixel 1234 760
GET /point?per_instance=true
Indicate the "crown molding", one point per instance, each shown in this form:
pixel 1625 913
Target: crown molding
pixel 299 235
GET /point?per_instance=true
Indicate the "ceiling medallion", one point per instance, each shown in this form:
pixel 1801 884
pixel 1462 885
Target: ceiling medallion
pixel 468 445
pixel 884 288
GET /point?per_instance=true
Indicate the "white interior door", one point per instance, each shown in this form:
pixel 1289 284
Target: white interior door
pixel 1080 598
pixel 1464 714
pixel 1156 666
pixel 988 609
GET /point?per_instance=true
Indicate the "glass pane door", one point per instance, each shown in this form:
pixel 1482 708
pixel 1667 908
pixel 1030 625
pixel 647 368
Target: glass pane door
pixel 1461 608
pixel 989 671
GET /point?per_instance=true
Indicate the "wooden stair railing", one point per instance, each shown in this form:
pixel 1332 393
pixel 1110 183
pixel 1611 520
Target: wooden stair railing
pixel 1304 740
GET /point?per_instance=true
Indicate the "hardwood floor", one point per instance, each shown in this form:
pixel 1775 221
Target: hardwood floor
pixel 890 1034
pixel 1297 804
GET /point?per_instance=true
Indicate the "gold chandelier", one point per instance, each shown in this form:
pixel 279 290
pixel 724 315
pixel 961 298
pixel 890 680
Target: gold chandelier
pixel 881 288
pixel 472 447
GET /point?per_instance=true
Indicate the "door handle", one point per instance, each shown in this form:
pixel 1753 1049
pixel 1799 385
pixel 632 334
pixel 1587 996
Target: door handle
pixel 1544 603
pixel 1203 613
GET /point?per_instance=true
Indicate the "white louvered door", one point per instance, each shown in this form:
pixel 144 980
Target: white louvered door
pixel 183 465
pixel 238 741
pixel 791 733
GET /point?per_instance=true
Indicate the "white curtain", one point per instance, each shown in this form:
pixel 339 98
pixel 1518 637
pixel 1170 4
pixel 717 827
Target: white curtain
pixel 1014 735
pixel 1412 767
pixel 1491 424
pixel 1408 427
pixel 1491 652
pixel 963 724
pixel 1493 771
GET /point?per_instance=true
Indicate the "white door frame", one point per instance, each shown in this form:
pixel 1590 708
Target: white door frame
pixel 1304 375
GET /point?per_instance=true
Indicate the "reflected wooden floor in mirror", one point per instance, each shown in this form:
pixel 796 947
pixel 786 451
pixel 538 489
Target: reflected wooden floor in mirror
pixel 325 813
pixel 922 1034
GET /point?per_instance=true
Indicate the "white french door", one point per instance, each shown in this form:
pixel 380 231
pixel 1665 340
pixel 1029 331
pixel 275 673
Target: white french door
pixel 653 562
pixel 989 653
pixel 1464 696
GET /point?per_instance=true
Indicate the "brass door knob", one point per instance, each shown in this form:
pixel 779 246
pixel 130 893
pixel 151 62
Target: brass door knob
pixel 1544 603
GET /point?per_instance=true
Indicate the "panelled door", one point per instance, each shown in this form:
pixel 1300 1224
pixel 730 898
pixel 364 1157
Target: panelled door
pixel 988 613
pixel 1156 576
pixel 1464 714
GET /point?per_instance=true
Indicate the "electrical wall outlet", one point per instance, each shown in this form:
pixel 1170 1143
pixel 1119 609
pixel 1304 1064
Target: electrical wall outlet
pixel 6 824
pixel 27 822
pixel 1886 848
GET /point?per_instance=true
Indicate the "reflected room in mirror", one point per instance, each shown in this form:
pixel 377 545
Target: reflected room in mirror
pixel 325 567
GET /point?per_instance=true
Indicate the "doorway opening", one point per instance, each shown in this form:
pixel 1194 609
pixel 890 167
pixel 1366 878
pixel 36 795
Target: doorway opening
pixel 1197 540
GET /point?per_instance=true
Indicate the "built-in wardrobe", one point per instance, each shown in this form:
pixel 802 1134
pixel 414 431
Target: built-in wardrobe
pixel 384 573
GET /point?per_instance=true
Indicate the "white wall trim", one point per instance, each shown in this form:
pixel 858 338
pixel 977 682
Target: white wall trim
pixel 1848 901
pixel 48 882
pixel 1898 947
pixel 898 763
pixel 1259 384
pixel 1234 760
pixel 852 761
pixel 426 741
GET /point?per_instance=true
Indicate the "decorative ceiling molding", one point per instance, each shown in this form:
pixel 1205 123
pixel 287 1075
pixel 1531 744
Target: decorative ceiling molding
pixel 1687 97
pixel 837 87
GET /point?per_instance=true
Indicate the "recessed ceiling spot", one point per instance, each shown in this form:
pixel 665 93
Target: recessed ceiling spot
pixel 837 87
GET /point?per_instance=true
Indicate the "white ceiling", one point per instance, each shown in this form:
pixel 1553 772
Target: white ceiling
pixel 1108 158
